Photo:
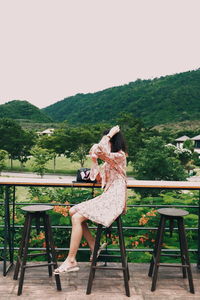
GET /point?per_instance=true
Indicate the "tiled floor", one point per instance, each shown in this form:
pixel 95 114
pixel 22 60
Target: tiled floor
pixel 108 285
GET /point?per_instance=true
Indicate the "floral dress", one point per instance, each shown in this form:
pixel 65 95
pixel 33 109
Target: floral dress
pixel 104 209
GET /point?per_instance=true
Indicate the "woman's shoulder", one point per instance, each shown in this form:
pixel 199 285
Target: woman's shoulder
pixel 121 154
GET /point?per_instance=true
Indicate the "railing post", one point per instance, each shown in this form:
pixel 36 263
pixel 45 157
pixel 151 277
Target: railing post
pixel 198 257
pixel 8 235
pixel 13 221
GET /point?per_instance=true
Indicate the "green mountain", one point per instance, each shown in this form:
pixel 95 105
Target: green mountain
pixel 167 99
pixel 18 109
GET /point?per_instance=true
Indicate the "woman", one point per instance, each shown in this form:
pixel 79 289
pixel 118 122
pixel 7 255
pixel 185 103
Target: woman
pixel 105 208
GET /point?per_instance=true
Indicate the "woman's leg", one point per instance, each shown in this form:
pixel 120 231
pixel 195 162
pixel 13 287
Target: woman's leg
pixel 88 236
pixel 86 232
pixel 76 235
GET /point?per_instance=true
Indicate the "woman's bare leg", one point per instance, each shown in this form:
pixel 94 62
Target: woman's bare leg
pixel 86 232
pixel 76 235
pixel 88 236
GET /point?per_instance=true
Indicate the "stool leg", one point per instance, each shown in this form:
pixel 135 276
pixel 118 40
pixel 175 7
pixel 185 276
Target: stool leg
pixel 152 263
pixel 185 253
pixel 123 256
pixel 25 252
pixel 181 249
pixel 94 259
pixel 158 253
pixel 17 267
pixel 53 252
pixel 49 259
pixel 124 248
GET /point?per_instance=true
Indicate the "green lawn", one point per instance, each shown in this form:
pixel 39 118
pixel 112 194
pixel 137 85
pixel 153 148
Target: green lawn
pixel 63 166
pixel 22 194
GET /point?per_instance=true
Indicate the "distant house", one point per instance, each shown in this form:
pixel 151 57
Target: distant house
pixel 48 132
pixel 196 140
pixel 181 140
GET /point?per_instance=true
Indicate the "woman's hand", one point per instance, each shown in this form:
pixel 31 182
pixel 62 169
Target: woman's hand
pixel 113 131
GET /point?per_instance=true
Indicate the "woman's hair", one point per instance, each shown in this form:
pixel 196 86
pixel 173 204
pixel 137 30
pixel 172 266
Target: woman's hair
pixel 117 142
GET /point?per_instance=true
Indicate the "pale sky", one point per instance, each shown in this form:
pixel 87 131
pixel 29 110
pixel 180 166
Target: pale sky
pixel 53 49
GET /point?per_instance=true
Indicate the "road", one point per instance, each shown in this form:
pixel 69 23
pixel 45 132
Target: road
pixel 60 176
pixel 33 175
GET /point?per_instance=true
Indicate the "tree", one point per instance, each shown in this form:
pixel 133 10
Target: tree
pixel 184 155
pixel 41 157
pixel 189 144
pixel 74 142
pixel 3 155
pixel 28 140
pixel 52 143
pixel 132 129
pixel 10 133
pixel 195 158
pixel 79 155
pixel 15 140
pixel 80 141
pixel 157 162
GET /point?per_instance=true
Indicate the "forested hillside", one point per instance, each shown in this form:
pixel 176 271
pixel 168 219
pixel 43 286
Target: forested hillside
pixel 162 100
pixel 17 109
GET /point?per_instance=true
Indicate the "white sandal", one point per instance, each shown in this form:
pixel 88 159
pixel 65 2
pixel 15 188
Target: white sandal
pixel 101 248
pixel 66 269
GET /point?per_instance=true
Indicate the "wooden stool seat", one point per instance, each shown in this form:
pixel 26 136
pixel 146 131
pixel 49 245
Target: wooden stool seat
pixel 171 214
pixel 36 208
pixel 122 256
pixel 38 214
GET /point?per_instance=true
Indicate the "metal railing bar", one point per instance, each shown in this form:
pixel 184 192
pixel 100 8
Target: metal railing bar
pixel 124 227
pixel 110 250
pixel 131 205
pixel 159 205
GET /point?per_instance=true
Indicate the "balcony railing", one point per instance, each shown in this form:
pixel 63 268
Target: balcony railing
pixel 9 225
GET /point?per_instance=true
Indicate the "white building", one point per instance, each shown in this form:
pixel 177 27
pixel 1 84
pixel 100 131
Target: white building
pixel 196 140
pixel 181 140
pixel 48 131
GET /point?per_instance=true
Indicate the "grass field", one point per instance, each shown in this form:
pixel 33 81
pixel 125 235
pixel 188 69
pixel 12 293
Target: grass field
pixel 63 166
pixel 191 125
pixel 22 194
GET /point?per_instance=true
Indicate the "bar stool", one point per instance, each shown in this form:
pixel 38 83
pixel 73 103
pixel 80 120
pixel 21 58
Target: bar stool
pixel 171 214
pixel 37 212
pixel 122 256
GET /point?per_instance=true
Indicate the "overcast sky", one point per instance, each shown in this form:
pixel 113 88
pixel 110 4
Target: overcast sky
pixel 52 49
